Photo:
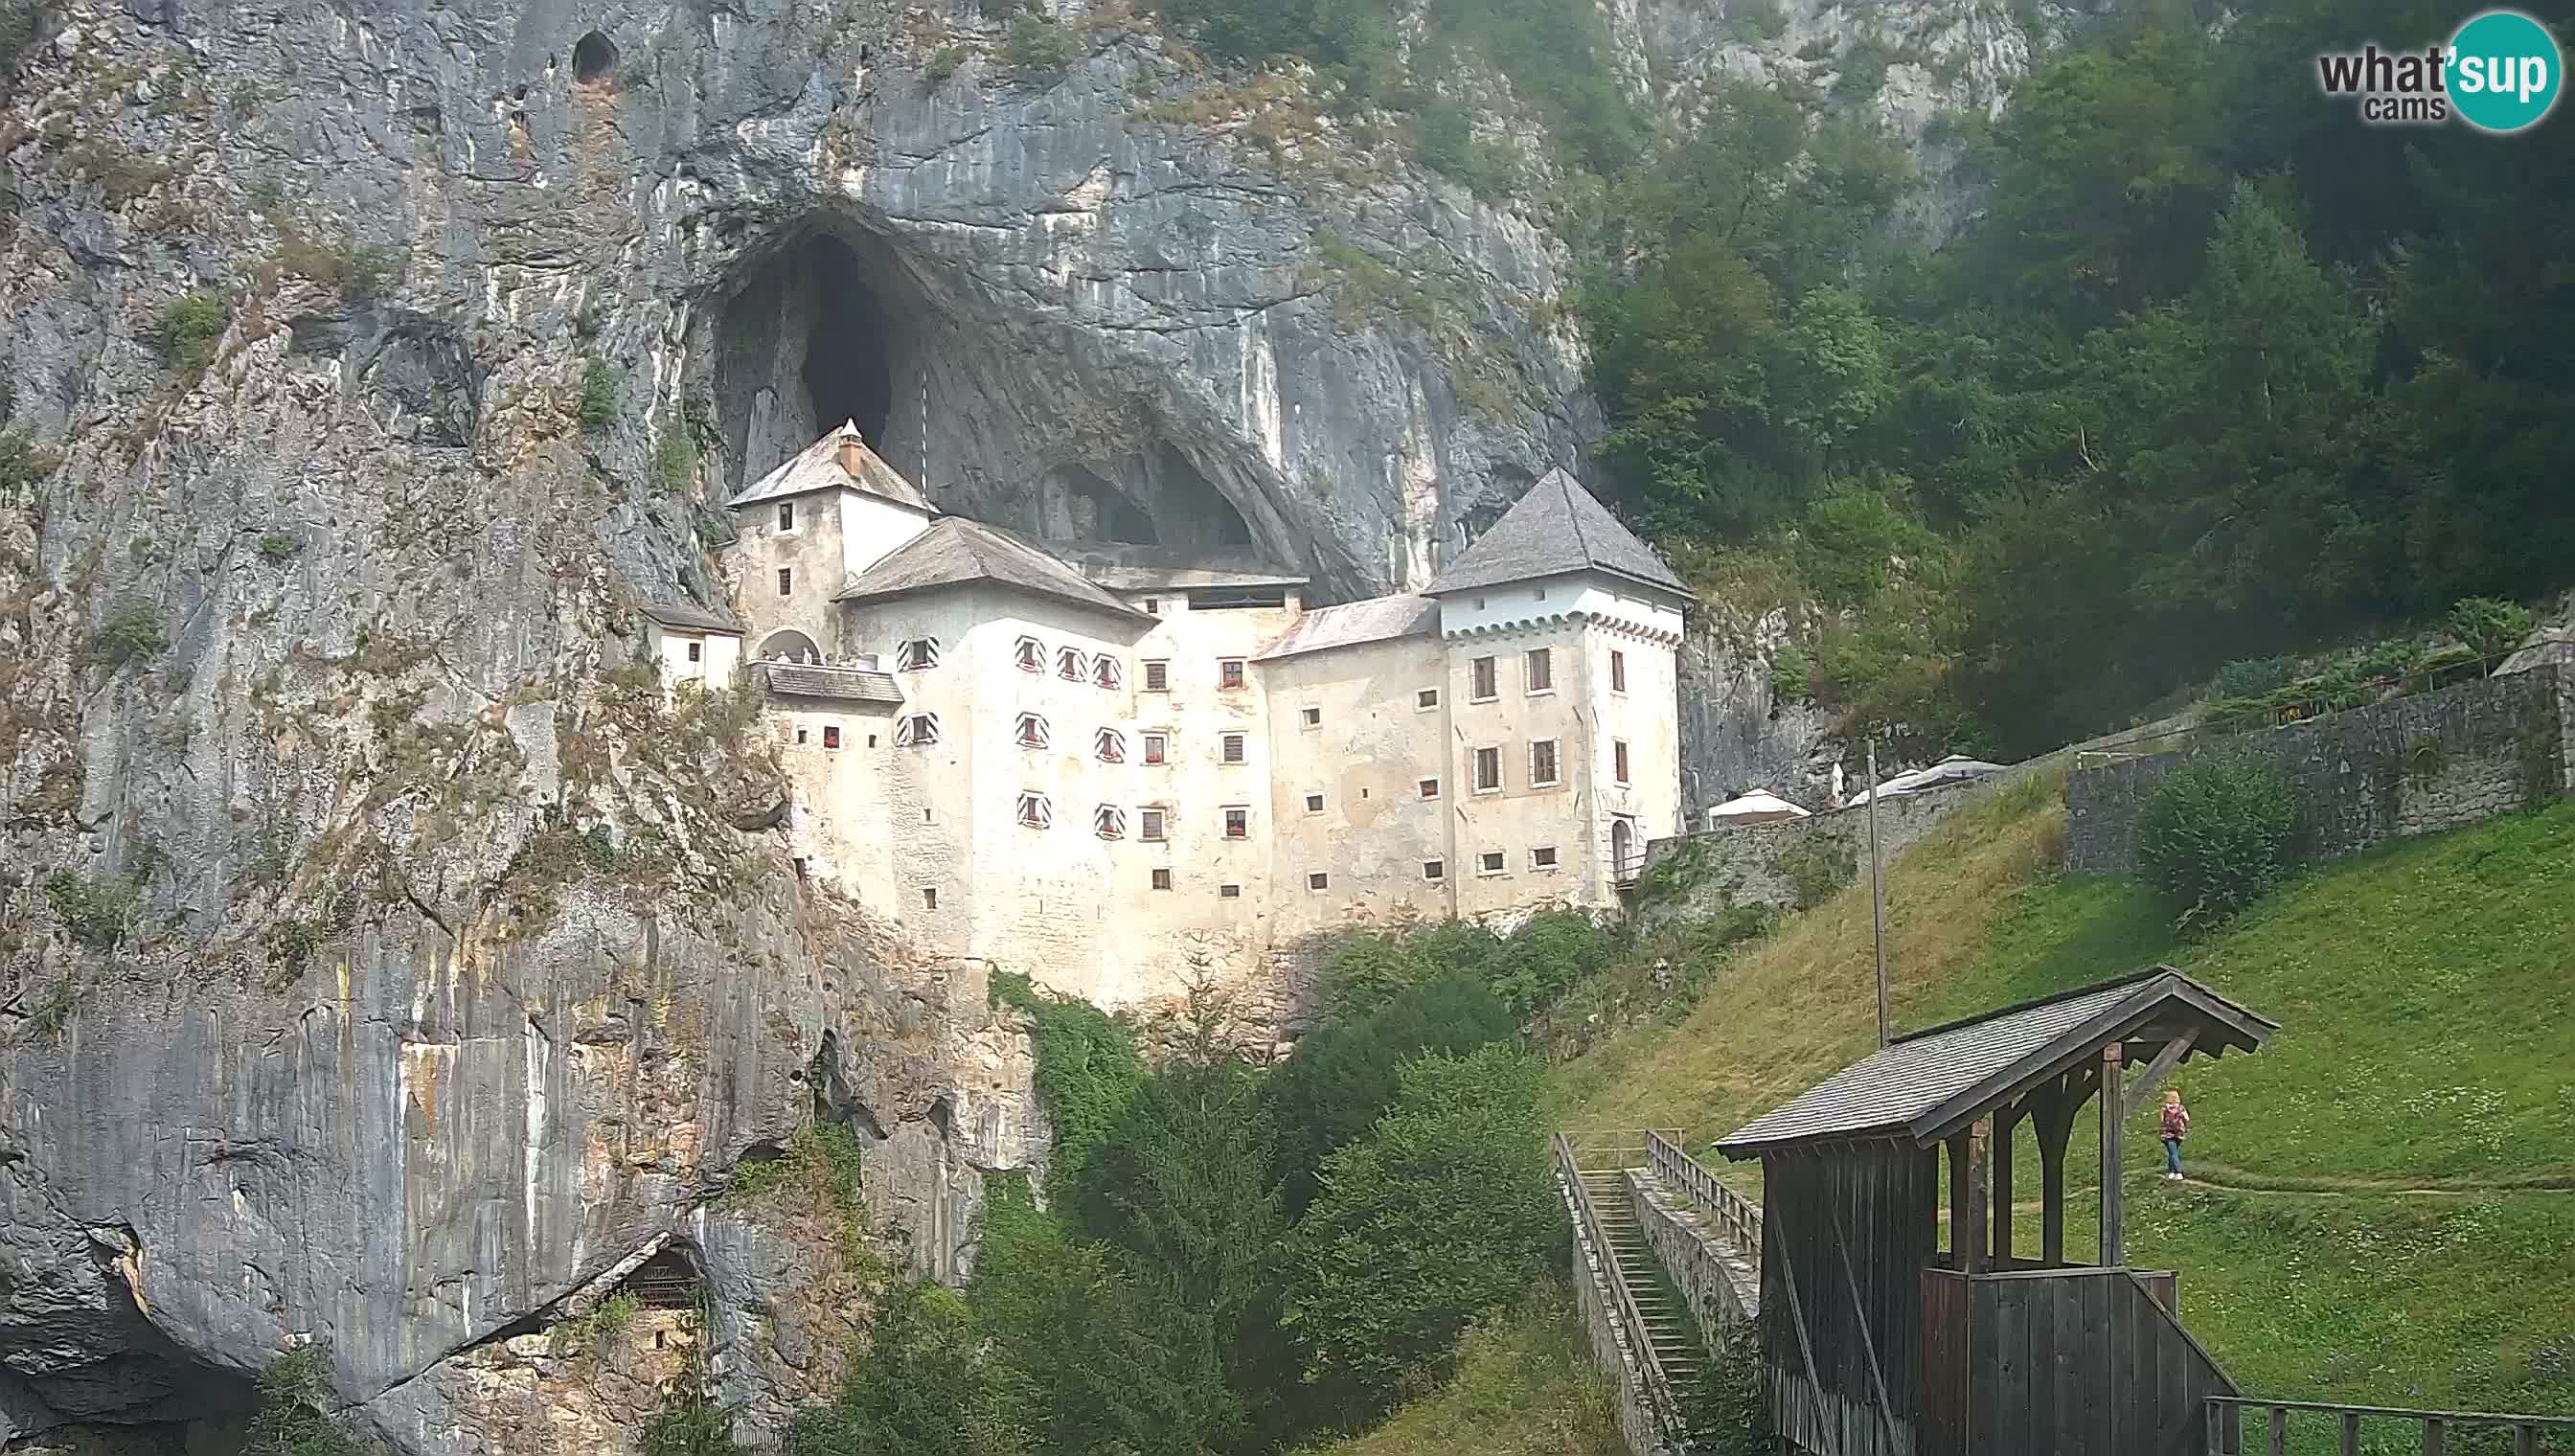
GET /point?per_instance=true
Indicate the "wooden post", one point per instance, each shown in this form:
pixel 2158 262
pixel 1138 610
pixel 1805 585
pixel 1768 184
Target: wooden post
pixel 1973 1245
pixel 2004 1122
pixel 1958 1200
pixel 1876 894
pixel 2112 1215
pixel 2052 1120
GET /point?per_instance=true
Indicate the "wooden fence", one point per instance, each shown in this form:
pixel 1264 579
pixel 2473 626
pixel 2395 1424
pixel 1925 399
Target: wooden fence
pixel 2225 1425
pixel 1739 1216
pixel 2073 1362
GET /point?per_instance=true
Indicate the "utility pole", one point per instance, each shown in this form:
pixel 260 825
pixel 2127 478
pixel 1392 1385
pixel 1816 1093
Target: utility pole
pixel 1876 894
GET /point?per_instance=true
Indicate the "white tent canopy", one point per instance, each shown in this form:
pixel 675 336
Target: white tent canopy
pixel 1956 768
pixel 1756 808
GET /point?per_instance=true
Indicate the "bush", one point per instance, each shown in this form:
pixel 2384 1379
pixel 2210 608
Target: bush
pixel 131 633
pixel 1040 48
pixel 1793 674
pixel 2250 676
pixel 2216 835
pixel 599 381
pixel 1755 21
pixel 189 328
pixel 932 1385
pixel 1088 1071
pixel 295 1397
pixel 95 912
pixel 675 460
pixel 944 62
pixel 277 545
pixel 2489 626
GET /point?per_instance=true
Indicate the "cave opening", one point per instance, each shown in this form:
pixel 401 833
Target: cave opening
pixel 592 57
pixel 847 374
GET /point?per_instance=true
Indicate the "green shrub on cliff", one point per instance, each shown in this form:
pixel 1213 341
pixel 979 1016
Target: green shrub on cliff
pixel 296 1396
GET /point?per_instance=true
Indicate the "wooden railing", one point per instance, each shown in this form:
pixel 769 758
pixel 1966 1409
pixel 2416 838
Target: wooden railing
pixel 2226 1424
pixel 1603 1149
pixel 1739 1216
pixel 1661 1397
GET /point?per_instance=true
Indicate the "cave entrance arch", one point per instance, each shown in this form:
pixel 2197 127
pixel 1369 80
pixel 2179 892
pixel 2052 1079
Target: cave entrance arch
pixel 847 374
pixel 789 646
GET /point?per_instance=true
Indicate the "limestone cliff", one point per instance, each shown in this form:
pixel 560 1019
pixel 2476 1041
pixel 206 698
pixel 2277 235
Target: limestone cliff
pixel 381 961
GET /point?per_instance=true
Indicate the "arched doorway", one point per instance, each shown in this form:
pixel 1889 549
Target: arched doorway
pixel 1623 845
pixel 789 646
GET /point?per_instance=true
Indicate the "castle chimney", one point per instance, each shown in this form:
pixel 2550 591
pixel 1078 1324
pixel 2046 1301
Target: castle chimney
pixel 852 444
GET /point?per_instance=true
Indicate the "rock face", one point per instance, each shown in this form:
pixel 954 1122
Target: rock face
pixel 381 959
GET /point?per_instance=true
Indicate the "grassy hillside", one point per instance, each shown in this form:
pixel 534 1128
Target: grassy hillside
pixel 1526 1386
pixel 2363 1225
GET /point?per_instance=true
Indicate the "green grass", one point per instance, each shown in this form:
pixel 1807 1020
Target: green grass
pixel 2426 996
pixel 1525 1386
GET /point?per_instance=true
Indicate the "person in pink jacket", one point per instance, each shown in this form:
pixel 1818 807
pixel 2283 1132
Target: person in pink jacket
pixel 2177 1122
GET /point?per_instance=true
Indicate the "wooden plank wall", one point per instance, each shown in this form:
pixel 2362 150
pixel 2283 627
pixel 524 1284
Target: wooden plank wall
pixel 1853 1229
pixel 2077 1362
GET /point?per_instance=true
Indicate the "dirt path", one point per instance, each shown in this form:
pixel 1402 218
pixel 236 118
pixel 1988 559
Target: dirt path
pixel 2219 1177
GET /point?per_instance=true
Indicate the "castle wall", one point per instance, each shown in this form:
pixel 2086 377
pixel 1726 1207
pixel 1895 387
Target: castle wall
pixel 1366 756
pixel 1642 716
pixel 812 549
pixel 1520 816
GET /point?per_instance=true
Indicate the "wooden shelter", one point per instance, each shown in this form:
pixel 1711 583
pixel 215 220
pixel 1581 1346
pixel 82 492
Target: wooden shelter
pixel 1875 1341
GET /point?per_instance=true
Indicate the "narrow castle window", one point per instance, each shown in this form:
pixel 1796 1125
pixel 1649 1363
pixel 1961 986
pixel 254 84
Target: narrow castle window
pixel 830 738
pixel 1149 827
pixel 1425 698
pixel 1158 749
pixel 1434 870
pixel 787 515
pixel 1152 607
pixel 1030 655
pixel 917 654
pixel 1488 769
pixel 1109 822
pixel 1237 823
pixel 1232 747
pixel 800 736
pixel 1319 880
pixel 1036 811
pixel 695 651
pixel 786 581
pixel 1429 789
pixel 1031 731
pixel 1542 670
pixel 1618 759
pixel 1071 665
pixel 1229 892
pixel 1480 680
pixel 1490 862
pixel 1158 677
pixel 1543 762
pixel 918 731
pixel 1109 744
pixel 928 898
pixel 1162 880
pixel 1314 717
pixel 1106 671
pixel 1617 670
pixel 1229 672
pixel 1542 857
pixel 1314 804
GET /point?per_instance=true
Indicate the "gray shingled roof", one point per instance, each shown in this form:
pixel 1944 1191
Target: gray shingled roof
pixel 1898 1091
pixel 825 465
pixel 1380 619
pixel 690 618
pixel 954 551
pixel 849 685
pixel 1556 528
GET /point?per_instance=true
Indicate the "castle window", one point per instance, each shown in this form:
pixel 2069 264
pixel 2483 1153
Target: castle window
pixel 1071 665
pixel 1490 862
pixel 919 654
pixel 1429 789
pixel 1480 680
pixel 1151 826
pixel 1314 717
pixel 830 738
pixel 1488 769
pixel 1427 697
pixel 1029 653
pixel 1031 731
pixel 1229 672
pixel 1237 823
pixel 1541 594
pixel 1232 747
pixel 928 898
pixel 1314 804
pixel 1434 870
pixel 1152 607
pixel 1162 880
pixel 1229 892
pixel 696 651
pixel 1106 671
pixel 1617 672
pixel 1109 822
pixel 1542 670
pixel 1319 880
pixel 1542 857
pixel 918 731
pixel 1036 811
pixel 1109 744
pixel 1158 677
pixel 786 581
pixel 800 736
pixel 1543 762
pixel 787 515
pixel 1618 759
pixel 1158 749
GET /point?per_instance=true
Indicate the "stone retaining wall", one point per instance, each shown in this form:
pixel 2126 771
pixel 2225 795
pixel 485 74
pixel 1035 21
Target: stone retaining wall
pixel 1599 1307
pixel 2433 761
pixel 1706 1285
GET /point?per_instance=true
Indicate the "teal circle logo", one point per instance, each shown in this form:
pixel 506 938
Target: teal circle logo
pixel 2504 71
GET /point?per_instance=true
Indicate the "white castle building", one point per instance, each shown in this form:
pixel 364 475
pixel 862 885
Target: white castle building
pixel 1115 771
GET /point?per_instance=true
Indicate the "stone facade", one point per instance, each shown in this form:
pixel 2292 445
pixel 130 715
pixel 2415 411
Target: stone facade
pixel 1793 864
pixel 2415 766
pixel 1695 1263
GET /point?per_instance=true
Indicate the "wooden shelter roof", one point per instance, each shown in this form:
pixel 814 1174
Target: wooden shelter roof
pixel 1926 1085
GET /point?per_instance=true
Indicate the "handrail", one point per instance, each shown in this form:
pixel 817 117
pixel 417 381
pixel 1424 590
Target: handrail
pixel 1659 1393
pixel 1736 1214
pixel 2226 1423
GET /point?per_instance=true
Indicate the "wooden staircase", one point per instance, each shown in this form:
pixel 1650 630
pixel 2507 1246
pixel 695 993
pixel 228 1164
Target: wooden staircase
pixel 1668 1327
